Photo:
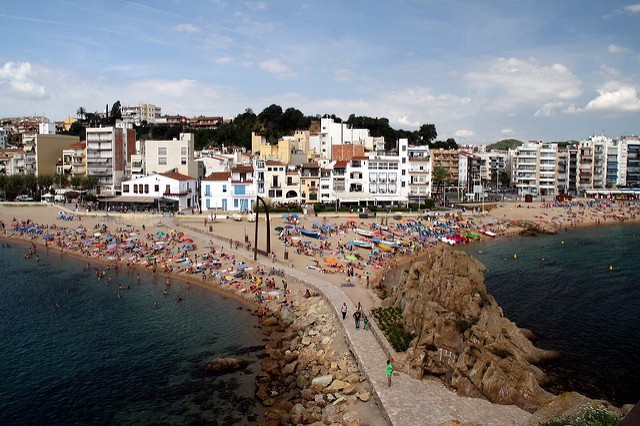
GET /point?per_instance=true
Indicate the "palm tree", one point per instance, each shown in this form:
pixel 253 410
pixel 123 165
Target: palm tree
pixel 440 176
pixel 81 112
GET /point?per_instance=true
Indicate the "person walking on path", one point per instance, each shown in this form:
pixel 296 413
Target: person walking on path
pixel 365 321
pixel 344 311
pixel 356 317
pixel 389 371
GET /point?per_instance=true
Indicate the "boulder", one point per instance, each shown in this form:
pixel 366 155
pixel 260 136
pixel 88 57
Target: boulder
pixel 321 382
pixel 225 365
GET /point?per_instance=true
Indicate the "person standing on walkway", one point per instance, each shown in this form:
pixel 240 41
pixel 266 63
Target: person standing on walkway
pixel 389 371
pixel 356 317
pixel 344 311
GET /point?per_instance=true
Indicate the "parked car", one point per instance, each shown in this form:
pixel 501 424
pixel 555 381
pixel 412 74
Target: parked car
pixel 24 197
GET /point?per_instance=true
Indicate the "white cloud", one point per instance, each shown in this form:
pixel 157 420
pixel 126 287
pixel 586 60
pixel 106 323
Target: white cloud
pixel 463 133
pixel 187 28
pixel 609 70
pixel 549 109
pixel 217 41
pixel 225 59
pixel 404 121
pixel 256 5
pixel 615 96
pixel 513 81
pixel 507 132
pixel 614 48
pixel 19 79
pixel 276 67
pixel 632 8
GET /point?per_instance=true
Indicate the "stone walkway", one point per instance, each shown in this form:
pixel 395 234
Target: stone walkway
pixel 408 401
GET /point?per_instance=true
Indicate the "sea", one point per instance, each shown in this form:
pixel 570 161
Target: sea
pixel 579 292
pixel 75 350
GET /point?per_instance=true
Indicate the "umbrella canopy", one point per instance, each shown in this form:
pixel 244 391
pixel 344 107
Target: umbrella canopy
pixel 288 227
pixel 188 240
pixel 160 233
pixel 331 260
pixel 97 234
pixel 351 257
pixel 279 228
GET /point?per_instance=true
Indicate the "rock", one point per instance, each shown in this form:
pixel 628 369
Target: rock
pixel 363 396
pixel 321 382
pixel 225 365
pixel 269 321
pixel 335 386
pixel 349 389
pixel 352 378
pixel 289 368
pixel 462 336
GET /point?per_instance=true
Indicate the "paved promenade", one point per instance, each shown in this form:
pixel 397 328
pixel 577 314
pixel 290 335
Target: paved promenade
pixel 408 401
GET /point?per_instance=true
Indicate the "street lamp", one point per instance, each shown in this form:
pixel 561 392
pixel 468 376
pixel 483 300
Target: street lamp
pixel 246 236
pixel 158 186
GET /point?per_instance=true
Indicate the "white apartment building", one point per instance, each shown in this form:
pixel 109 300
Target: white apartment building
pixel 233 190
pixel 419 172
pixel 175 155
pixel 109 151
pixel 12 161
pixel 332 133
pixel 74 160
pixel 136 114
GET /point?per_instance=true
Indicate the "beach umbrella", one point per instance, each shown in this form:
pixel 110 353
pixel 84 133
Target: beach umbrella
pixel 331 261
pixel 99 245
pixel 351 258
pixel 188 240
pixel 160 233
pixel 97 234
pixel 241 266
pixel 289 227
pixel 279 228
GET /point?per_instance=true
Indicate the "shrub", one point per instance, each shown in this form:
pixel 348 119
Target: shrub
pixel 463 324
pixel 502 353
pixel 591 417
pixel 390 323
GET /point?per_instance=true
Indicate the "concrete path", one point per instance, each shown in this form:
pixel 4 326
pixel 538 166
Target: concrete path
pixel 408 401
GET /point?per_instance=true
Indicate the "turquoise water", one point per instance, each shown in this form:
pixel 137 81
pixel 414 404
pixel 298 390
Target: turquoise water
pixel 73 352
pixel 579 291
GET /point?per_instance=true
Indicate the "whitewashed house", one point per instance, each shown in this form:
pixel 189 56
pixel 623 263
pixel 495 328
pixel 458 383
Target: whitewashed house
pixel 164 191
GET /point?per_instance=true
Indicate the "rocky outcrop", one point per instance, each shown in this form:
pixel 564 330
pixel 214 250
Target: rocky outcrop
pixel 571 404
pixel 530 228
pixel 462 335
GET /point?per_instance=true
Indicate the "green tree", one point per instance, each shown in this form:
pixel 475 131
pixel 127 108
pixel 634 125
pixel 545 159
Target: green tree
pixel 81 112
pixel 116 112
pixel 76 181
pixel 77 129
pixel 45 182
pixel 427 133
pixel 440 176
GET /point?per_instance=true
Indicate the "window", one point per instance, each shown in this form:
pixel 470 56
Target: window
pixel 207 190
pixel 156 188
pixel 183 150
pixel 146 188
pixel 135 188
pixel 162 150
pixel 162 161
pixel 125 188
pixel 183 161
pixel 167 189
pixel 224 188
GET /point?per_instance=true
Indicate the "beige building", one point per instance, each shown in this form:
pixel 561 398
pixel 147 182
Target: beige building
pixel 49 151
pixel 292 150
pixel 171 156
pixel 74 160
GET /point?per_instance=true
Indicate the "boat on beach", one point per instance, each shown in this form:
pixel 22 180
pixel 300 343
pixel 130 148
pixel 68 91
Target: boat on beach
pixel 310 233
pixel 364 232
pixel 362 244
pixel 237 217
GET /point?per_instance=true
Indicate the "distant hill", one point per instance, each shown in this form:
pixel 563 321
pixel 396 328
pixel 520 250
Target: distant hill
pixel 504 145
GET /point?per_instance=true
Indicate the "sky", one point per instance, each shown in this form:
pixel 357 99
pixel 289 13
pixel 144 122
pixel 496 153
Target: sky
pixel 481 71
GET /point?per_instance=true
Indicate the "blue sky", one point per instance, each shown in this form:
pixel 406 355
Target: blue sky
pixel 480 71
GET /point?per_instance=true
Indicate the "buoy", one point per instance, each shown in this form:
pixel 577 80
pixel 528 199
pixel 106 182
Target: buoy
pixel 611 267
pixel 562 241
pixel 515 256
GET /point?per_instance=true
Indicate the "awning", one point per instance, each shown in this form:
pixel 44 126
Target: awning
pixel 140 200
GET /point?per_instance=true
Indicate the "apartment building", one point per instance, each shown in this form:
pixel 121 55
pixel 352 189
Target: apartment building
pixel 175 155
pixel 419 172
pixel 136 114
pixel 332 133
pixel 109 151
pixel 74 160
pixel 12 161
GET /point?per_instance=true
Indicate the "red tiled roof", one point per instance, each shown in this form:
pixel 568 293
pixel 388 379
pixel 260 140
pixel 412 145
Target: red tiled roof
pixel 340 164
pixel 242 169
pixel 177 176
pixel 218 176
